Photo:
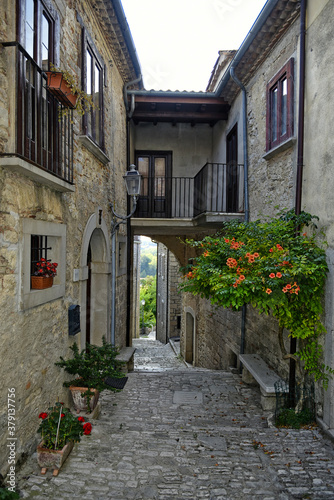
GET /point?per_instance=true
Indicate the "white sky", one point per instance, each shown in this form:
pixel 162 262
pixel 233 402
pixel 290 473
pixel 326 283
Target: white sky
pixel 177 41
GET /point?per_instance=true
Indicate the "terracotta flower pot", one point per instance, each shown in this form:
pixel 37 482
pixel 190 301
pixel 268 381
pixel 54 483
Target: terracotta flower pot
pixel 57 85
pixel 41 282
pixel 80 402
pixel 53 458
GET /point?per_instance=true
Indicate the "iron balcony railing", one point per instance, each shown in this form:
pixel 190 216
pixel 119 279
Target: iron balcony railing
pixel 217 188
pixel 43 134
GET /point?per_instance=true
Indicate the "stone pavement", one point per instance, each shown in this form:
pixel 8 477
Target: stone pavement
pixel 177 432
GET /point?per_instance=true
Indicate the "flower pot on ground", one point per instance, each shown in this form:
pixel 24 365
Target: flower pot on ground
pixel 91 368
pixel 59 430
pixel 84 398
pixel 43 274
pixel 52 458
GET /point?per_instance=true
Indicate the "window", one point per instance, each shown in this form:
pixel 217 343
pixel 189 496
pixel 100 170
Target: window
pixel 280 107
pixel 38 33
pixel 39 250
pixel 47 240
pixel 93 85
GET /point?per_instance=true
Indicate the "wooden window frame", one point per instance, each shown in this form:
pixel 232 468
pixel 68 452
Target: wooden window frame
pixel 42 7
pixel 286 72
pixel 88 45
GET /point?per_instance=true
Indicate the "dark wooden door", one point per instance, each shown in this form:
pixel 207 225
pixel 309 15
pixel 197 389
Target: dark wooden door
pixel 232 184
pixel 88 294
pixel 155 196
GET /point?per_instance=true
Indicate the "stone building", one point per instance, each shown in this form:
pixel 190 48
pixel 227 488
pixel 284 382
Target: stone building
pixel 59 173
pixel 169 301
pixel 213 156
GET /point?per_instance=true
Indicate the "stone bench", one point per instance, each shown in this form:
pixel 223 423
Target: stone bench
pixel 255 369
pixel 126 355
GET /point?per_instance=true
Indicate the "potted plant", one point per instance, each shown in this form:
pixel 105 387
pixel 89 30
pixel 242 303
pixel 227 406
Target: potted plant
pixel 59 430
pixel 44 274
pixel 65 87
pixel 93 368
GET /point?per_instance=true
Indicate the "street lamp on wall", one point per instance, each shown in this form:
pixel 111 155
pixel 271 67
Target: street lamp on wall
pixel 132 180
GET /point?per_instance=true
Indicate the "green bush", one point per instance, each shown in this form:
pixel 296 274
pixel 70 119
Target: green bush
pixel 93 365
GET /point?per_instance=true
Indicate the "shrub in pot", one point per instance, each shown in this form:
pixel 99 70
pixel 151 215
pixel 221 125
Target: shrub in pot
pixel 92 367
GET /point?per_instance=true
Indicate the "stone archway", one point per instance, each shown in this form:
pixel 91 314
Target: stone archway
pixel 190 336
pixel 95 269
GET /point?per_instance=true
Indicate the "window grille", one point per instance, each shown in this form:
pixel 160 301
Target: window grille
pixel 39 250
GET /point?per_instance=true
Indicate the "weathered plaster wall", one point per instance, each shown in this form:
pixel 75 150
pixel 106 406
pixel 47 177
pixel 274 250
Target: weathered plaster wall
pixel 271 181
pixel 318 177
pixel 191 146
pixel 32 339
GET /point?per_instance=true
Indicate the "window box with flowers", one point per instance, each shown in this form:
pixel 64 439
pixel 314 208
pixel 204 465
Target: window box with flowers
pixel 59 430
pixel 44 274
pixel 64 86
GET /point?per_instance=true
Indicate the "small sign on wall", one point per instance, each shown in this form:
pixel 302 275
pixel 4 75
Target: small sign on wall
pixel 73 319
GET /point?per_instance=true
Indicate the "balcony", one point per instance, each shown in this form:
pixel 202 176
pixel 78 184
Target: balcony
pixel 171 205
pixel 40 141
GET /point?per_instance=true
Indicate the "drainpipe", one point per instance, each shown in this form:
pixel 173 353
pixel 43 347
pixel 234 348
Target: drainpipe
pixel 300 167
pixel 245 148
pixel 130 111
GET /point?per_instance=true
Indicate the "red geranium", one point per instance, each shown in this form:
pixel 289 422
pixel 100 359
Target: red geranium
pixel 43 415
pixel 81 419
pixel 87 427
pixel 45 268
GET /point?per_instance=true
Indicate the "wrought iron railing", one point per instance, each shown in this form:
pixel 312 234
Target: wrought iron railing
pixel 43 134
pixel 217 188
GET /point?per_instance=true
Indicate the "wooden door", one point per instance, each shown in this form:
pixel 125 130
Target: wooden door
pixel 155 196
pixel 232 184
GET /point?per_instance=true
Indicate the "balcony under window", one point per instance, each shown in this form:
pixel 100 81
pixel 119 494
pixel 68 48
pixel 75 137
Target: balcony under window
pixel 167 204
pixel 40 143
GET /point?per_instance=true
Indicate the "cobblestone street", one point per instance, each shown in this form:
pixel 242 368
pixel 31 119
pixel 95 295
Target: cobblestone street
pixel 177 432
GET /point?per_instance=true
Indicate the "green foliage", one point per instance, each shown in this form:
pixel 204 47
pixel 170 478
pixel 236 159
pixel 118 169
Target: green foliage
pixel 271 266
pixel 93 365
pixel 148 288
pixel 290 418
pixel 59 426
pixel 148 262
pixel 6 494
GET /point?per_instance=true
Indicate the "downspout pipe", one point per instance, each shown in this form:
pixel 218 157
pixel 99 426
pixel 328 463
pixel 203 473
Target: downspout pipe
pixel 300 168
pixel 245 149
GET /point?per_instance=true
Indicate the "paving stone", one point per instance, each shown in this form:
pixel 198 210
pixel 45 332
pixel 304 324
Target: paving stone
pixel 145 446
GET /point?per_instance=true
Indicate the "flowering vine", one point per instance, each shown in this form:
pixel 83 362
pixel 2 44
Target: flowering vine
pixel 273 267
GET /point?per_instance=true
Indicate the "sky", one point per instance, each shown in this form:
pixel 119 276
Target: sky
pixel 177 41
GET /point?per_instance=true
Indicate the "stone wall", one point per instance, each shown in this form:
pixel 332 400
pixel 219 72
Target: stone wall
pixel 217 339
pixel 33 338
pixel 174 300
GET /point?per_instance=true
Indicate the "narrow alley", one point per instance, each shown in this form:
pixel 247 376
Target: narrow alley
pixel 177 432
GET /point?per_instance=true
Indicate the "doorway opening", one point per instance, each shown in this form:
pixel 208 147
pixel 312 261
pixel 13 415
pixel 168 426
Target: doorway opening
pixel 146 288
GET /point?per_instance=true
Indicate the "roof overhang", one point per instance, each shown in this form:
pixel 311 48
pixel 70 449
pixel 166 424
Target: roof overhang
pixel 178 107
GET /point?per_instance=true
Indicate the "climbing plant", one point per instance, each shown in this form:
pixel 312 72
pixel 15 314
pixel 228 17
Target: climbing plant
pixel 274 266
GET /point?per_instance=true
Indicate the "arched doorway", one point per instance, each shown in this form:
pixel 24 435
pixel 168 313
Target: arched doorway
pixel 95 272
